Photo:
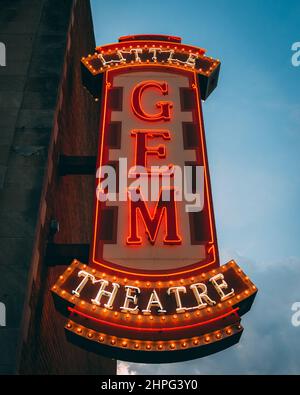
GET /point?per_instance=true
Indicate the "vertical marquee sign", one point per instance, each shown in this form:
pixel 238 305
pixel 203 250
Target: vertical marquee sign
pixel 153 289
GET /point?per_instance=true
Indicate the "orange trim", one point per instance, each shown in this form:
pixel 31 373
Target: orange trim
pixel 118 268
pixel 147 329
pixel 149 37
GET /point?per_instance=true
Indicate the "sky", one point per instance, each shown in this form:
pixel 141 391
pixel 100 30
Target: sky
pixel 252 123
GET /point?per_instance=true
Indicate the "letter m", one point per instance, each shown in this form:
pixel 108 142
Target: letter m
pixel 164 209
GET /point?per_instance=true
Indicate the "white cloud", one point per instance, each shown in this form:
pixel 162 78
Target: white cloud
pixel 124 368
pixel 270 343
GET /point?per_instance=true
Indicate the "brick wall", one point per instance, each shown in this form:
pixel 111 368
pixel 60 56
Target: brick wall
pixel 44 112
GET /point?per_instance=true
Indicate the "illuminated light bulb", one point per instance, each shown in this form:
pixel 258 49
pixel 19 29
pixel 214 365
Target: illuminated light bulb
pixel 82 302
pixel 127 315
pixel 151 317
pixel 148 284
pixel 230 302
pixel 101 338
pixel 159 283
pixel 136 345
pixel 170 282
pixel 172 346
pixel 113 342
pixel 115 314
pixel 94 308
pixel 105 310
pixel 238 297
pixel 187 315
pixel 84 266
pixel 139 317
pixel 247 292
pixel 229 331
pixel 203 275
pixel 198 313
pixel 63 292
pixel 93 271
pixel 69 269
pixel 219 305
pixel 239 327
pixel 207 339
pixel 114 278
pixel 183 344
pixel 69 325
pixel 218 335
pixel 160 346
pixel 163 318
pixel 214 271
pixel 124 344
pixel 193 279
pixel 253 287
pixel 196 342
pixel 246 278
pixel 61 277
pixel 90 335
pixel 181 281
pixel 148 347
pixel 208 309
pixel 54 288
pixel 125 280
pixel 79 330
pixel 175 316
pixel 137 282
pixel 73 298
pixel 103 274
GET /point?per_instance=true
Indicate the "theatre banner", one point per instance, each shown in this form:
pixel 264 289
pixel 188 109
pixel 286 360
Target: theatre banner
pixel 153 289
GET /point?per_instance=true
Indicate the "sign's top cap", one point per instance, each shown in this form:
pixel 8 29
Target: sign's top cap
pixel 150 37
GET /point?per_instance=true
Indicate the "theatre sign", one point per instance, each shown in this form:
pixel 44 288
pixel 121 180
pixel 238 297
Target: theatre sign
pixel 153 289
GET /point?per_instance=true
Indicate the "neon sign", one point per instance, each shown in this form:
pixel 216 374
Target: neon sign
pixel 153 289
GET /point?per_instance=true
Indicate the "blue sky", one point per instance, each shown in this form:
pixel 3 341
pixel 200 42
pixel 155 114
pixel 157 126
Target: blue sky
pixel 253 136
